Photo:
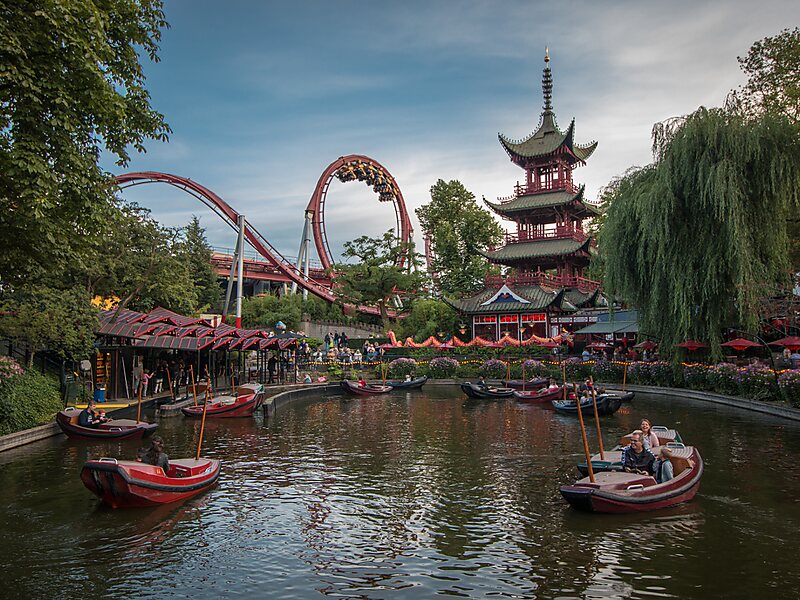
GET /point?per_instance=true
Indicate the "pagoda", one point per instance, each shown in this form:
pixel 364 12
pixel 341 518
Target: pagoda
pixel 544 287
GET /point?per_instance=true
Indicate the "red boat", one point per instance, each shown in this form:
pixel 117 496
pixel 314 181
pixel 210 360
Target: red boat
pixel 533 396
pixel 126 483
pixel 246 401
pixel 620 492
pixel 530 384
pixel 370 389
pixel 114 429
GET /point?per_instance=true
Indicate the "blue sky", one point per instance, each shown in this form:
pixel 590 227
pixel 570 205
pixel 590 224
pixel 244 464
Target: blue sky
pixel 263 96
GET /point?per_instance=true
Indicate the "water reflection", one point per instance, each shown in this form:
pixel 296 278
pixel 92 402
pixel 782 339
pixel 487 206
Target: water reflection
pixel 407 496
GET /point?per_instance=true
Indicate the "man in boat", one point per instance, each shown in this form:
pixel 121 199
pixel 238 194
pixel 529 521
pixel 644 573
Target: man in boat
pixel 155 454
pixel 89 416
pixel 636 458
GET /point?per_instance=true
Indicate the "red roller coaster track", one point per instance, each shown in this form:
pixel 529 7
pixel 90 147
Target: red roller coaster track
pixel 362 168
pixel 378 176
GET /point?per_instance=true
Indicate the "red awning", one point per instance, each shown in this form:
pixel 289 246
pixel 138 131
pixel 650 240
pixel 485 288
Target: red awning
pixel 646 345
pixel 740 344
pixel 691 345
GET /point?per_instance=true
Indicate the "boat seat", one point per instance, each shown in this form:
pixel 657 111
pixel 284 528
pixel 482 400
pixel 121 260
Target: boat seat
pixel 681 459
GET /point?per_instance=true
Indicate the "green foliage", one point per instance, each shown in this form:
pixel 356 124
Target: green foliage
pixel 195 251
pixel 72 87
pixel 427 318
pixel 772 66
pixel 375 277
pixel 693 239
pixel 265 311
pixel 442 367
pixel 789 383
pixel 400 367
pixel 27 401
pixel 458 229
pixel 140 262
pixel 62 321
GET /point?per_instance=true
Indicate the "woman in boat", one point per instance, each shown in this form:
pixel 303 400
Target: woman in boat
pixel 307 378
pixel 649 439
pixel 663 466
pixel 552 386
pixel 155 454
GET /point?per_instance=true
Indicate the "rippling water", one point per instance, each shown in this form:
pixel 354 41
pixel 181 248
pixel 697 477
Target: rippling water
pixel 409 496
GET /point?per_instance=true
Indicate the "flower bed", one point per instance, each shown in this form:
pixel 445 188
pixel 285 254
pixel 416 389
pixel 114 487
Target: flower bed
pixel 493 368
pixel 400 367
pixel 442 367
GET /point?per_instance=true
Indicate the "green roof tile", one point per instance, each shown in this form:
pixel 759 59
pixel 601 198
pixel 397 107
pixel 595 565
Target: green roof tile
pixel 546 140
pixel 529 202
pixel 539 298
pixel 527 250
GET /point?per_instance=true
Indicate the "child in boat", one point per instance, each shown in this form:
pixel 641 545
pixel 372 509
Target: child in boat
pixel 663 465
pixel 408 378
pixel 155 454
pixel 361 381
pixel 553 385
pixel 649 439
pixel 89 417
pixel 307 378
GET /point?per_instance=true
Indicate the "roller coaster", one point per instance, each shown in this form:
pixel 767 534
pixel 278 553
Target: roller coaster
pixel 276 266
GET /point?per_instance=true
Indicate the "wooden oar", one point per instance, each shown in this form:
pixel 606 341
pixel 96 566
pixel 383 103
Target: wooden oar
pixel 597 418
pixel 564 373
pixel 202 423
pixel 169 383
pixel 523 375
pixel 624 376
pixel 139 404
pixel 585 441
pixel 194 389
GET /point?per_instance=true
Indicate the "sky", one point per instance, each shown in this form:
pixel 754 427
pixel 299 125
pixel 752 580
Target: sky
pixel 263 96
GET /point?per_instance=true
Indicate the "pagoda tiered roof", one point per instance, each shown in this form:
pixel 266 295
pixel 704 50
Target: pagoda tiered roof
pixel 537 299
pixel 527 201
pixel 513 254
pixel 547 141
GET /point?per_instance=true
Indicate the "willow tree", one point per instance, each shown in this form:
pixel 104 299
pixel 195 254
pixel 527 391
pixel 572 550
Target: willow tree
pixel 694 239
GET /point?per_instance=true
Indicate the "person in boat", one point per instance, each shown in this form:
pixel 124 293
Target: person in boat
pixel 649 439
pixel 362 382
pixel 636 458
pixel 481 382
pixel 553 385
pixel 307 378
pixel 155 454
pixel 89 417
pixel 663 466
pixel 408 377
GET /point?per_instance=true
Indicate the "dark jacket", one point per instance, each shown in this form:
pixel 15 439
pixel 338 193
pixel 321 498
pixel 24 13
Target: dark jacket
pixel 644 461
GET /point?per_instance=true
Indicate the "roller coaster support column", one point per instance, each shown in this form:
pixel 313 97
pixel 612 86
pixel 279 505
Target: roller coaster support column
pixel 240 279
pixel 303 258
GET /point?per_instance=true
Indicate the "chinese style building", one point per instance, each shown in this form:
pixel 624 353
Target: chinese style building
pixel 544 290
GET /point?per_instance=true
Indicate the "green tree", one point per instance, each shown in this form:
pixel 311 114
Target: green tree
pixel 46 318
pixel 457 228
pixel 772 66
pixel 71 87
pixel 139 262
pixel 428 317
pixel 195 252
pixel 695 239
pixel 375 277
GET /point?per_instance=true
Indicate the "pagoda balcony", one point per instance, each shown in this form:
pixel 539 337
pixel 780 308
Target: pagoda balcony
pixel 544 279
pixel 524 190
pixel 560 233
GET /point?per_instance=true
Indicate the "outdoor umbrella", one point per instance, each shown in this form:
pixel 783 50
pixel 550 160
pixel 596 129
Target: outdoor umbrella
pixel 446 346
pixel 792 342
pixel 691 345
pixel 646 345
pixel 740 344
pixel 597 345
pixel 548 344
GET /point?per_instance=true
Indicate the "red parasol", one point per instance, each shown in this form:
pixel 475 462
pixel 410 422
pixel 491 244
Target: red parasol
pixel 691 345
pixel 646 345
pixel 597 345
pixel 547 344
pixel 740 344
pixel 792 342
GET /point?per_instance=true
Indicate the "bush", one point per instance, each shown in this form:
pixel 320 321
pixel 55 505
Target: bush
pixel 757 383
pixel 663 374
pixel 536 368
pixel 400 367
pixel 577 370
pixel 26 400
pixel 695 377
pixel 723 378
pixel 640 373
pixel 493 368
pixel 789 384
pixel 442 367
pixel 607 371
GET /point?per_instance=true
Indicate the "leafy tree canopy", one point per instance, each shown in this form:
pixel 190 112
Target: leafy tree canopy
pixel 265 311
pixel 694 239
pixel 772 66
pixel 457 228
pixel 428 317
pixel 375 277
pixel 195 252
pixel 72 87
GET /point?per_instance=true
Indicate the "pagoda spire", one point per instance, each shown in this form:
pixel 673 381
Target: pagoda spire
pixel 547 83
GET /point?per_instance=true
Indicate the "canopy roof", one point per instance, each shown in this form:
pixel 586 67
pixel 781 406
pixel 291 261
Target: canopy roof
pixel 513 254
pixel 537 297
pixel 548 140
pixel 543 201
